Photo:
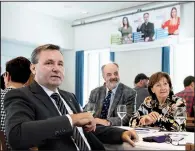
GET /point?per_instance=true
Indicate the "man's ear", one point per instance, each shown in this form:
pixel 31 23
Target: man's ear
pixel 7 76
pixel 33 69
pixel 192 85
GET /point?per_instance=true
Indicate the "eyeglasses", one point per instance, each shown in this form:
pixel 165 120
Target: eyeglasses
pixel 174 139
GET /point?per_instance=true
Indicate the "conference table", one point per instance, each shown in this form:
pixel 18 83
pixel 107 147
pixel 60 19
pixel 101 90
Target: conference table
pixel 188 137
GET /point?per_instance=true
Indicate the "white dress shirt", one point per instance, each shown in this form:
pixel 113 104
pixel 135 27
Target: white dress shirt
pixel 112 96
pixel 49 93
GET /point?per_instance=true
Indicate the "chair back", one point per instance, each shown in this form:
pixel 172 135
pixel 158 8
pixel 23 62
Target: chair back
pixel 2 141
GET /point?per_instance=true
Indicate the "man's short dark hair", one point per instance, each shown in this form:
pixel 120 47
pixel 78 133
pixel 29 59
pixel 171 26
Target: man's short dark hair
pixel 38 50
pixel 2 82
pixel 19 69
pixel 188 80
pixel 139 77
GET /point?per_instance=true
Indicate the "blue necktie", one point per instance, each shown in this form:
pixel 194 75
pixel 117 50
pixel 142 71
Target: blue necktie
pixel 106 104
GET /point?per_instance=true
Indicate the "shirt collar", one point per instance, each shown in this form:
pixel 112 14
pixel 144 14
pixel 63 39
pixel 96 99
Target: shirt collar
pixel 48 91
pixel 113 90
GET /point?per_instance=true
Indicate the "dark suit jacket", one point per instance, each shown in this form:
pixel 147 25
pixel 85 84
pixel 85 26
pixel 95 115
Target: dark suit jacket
pixel 147 30
pixel 142 93
pixel 124 95
pixel 33 120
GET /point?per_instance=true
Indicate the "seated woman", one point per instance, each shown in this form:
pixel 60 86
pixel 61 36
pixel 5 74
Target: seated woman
pixel 158 109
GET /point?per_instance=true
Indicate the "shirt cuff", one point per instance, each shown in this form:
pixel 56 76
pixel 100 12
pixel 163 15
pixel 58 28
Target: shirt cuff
pixel 70 119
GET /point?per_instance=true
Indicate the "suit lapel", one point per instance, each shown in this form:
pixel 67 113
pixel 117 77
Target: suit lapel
pixel 117 97
pixel 41 95
pixel 99 102
pixel 69 101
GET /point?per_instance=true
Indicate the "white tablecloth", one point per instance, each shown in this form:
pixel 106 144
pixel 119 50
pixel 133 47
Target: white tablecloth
pixel 141 145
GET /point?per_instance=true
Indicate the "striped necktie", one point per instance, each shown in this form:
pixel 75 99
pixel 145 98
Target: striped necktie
pixel 76 133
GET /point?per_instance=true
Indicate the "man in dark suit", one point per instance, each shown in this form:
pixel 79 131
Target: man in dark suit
pixel 147 28
pixel 43 116
pixel 109 96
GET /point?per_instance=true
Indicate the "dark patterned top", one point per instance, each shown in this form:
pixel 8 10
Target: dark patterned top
pixel 3 92
pixel 166 112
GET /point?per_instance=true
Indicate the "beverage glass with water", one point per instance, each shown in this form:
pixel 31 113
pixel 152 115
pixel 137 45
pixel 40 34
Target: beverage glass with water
pixel 91 108
pixel 180 116
pixel 121 111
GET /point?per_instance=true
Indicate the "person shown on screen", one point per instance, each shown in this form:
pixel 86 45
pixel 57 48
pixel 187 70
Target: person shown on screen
pixel 126 31
pixel 173 23
pixel 158 109
pixel 147 28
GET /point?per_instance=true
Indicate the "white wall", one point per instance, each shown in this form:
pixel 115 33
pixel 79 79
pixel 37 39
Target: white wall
pixel 131 63
pixel 11 49
pixel 187 20
pixel 69 78
pixel 25 25
pixel 183 63
pixel 23 30
pixel 93 36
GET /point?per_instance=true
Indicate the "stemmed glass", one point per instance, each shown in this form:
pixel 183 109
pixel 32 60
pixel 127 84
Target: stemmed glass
pixel 180 116
pixel 90 108
pixel 121 111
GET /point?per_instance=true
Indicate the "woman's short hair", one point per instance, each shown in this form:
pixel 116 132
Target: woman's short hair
pixel 156 78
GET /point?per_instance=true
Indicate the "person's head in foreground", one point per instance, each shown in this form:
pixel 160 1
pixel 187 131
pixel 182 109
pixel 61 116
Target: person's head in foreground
pixel 17 72
pixel 48 66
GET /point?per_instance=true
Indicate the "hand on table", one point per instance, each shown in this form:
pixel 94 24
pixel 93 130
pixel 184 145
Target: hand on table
pixel 130 137
pixel 149 119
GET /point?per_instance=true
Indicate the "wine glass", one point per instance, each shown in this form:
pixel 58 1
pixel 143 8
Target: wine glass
pixel 180 115
pixel 121 111
pixel 90 107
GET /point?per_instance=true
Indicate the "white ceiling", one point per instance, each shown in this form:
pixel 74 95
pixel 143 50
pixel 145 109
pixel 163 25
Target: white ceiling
pixel 71 11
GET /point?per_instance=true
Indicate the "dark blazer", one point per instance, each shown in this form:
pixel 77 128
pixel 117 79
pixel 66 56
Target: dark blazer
pixel 147 30
pixel 33 120
pixel 142 93
pixel 124 95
